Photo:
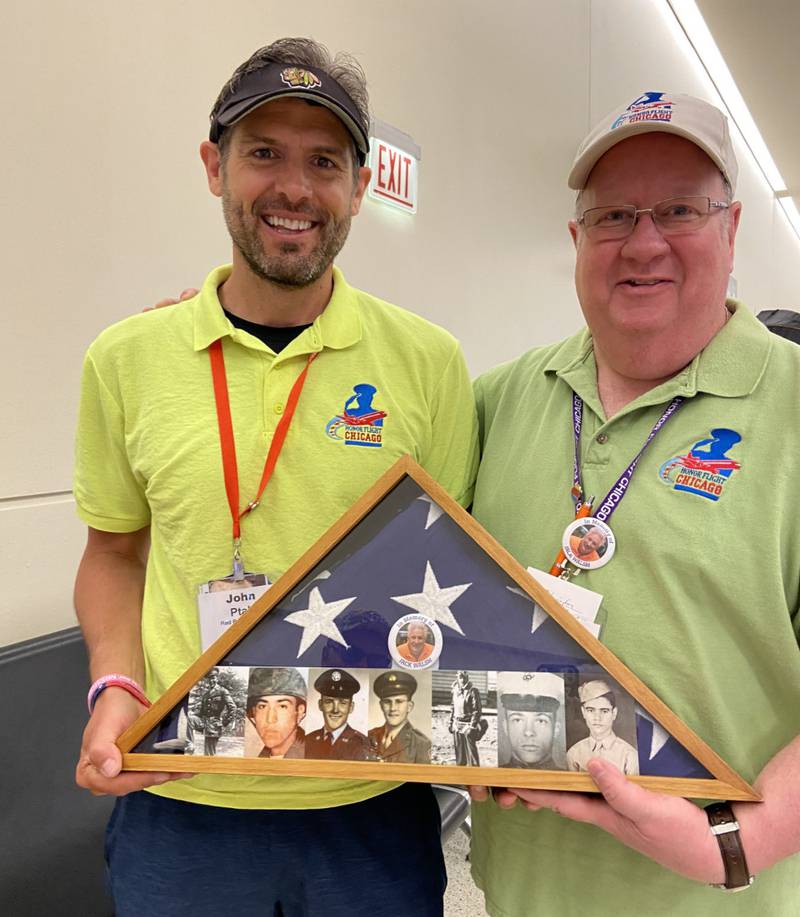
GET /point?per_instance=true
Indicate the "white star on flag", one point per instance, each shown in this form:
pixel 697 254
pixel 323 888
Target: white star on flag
pixel 659 736
pixel 317 620
pixel 539 614
pixel 434 510
pixel 434 601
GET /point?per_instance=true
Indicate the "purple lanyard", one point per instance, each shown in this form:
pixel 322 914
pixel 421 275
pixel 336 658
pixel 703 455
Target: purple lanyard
pixel 617 492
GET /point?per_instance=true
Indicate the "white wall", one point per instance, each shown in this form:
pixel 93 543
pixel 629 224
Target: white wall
pixel 106 208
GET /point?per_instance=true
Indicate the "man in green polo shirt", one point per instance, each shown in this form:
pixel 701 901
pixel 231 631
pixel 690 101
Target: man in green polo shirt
pixel 700 596
pixel 276 356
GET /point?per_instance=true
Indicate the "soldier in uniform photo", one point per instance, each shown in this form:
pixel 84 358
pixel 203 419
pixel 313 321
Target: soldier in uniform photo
pixel 276 705
pixel 599 710
pixel 212 709
pixel 465 720
pixel 532 704
pixel 397 741
pixel 337 740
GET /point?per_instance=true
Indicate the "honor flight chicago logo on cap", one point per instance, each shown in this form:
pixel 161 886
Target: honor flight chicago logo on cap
pixel 650 106
pixel 669 112
pixel 706 469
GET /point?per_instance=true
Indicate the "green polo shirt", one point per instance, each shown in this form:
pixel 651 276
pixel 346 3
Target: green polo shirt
pixel 700 599
pixel 148 453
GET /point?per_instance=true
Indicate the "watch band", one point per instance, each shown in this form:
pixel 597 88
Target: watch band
pixel 725 828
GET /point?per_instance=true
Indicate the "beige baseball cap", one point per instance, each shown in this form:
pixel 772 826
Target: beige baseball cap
pixel 534 691
pixel 591 690
pixel 669 112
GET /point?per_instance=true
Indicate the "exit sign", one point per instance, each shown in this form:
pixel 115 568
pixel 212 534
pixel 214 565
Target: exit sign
pixel 394 175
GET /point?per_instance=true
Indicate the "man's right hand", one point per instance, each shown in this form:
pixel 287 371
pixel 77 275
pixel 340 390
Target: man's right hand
pixel 99 767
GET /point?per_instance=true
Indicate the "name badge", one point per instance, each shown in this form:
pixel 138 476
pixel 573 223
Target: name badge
pixel 221 602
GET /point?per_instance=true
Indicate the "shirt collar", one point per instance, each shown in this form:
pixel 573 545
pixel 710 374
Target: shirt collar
pixel 731 365
pixel 338 326
pixel 605 744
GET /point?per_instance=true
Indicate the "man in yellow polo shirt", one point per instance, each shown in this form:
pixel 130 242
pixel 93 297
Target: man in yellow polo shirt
pixel 332 383
pixel 701 595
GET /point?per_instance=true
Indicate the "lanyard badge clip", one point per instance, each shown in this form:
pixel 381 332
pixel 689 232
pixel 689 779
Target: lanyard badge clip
pixel 238 565
pixel 568 571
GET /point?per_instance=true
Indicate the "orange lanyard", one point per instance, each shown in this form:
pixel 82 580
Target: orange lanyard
pixel 228 445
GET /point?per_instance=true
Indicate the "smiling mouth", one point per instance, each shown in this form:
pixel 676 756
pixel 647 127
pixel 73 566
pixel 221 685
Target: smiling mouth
pixel 643 283
pixel 287 226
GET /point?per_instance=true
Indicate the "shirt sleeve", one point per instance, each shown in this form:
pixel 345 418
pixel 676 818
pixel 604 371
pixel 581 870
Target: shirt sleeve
pixel 452 458
pixel 108 495
pixel 483 395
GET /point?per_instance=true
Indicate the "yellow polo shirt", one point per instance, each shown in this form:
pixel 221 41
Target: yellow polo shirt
pixel 148 453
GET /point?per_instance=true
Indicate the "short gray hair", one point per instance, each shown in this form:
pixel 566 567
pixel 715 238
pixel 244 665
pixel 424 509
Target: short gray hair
pixel 301 52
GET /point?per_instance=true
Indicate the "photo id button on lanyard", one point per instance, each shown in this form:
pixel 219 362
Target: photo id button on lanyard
pixel 588 541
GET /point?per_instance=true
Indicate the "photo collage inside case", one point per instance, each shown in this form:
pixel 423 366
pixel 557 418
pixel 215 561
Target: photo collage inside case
pixel 407 642
pixel 541 720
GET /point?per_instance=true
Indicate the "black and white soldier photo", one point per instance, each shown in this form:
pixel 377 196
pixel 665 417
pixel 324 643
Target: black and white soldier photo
pixel 531 720
pixel 216 709
pixel 401 713
pixel 464 718
pixel 339 699
pixel 604 725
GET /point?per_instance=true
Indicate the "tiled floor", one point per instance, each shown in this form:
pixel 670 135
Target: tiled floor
pixel 461 899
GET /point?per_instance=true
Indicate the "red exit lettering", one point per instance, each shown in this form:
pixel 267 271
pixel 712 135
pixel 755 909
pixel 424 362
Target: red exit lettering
pixel 394 172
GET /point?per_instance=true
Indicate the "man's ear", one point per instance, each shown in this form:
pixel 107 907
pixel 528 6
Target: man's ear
pixel 410 706
pixel 734 215
pixel 301 713
pixel 212 160
pixel 364 175
pixel 573 231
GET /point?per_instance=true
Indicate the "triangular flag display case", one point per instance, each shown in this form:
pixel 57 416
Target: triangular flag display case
pixel 407 644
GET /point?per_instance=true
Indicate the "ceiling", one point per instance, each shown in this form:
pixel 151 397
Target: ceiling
pixel 759 43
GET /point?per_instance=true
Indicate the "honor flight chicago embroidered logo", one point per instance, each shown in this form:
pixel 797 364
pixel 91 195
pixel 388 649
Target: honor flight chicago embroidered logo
pixel 360 423
pixel 706 468
pixel 650 106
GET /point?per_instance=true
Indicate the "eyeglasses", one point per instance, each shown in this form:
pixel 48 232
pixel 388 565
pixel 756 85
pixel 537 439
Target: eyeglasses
pixel 673 216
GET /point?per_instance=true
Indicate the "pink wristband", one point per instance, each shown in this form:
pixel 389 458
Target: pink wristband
pixel 115 681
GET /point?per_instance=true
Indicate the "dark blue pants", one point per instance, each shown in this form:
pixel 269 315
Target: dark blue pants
pixel 378 858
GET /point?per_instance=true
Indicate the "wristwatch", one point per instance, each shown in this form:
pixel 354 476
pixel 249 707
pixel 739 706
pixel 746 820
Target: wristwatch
pixel 725 828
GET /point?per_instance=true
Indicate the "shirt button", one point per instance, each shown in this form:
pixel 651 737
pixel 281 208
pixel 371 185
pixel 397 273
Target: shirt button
pixel 279 408
pixel 602 438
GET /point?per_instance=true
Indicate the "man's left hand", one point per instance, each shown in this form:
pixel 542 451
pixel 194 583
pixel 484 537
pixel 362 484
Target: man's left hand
pixel 672 831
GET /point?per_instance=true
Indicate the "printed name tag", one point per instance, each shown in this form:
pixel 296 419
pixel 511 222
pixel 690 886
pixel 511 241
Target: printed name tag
pixel 221 602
